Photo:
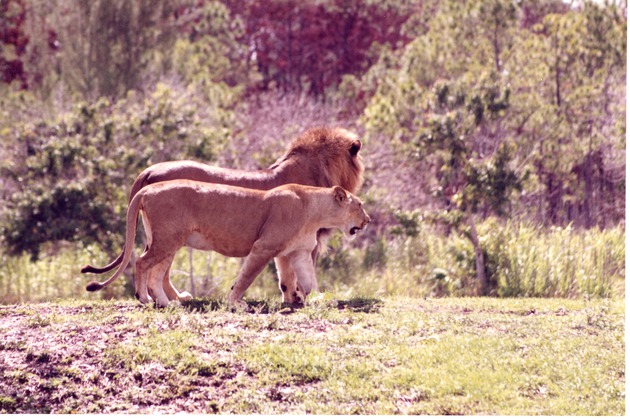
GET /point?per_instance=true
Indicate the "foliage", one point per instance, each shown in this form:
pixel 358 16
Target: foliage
pixel 490 91
pixel 311 45
pixel 466 109
pixel 13 42
pixel 522 260
pixel 108 47
pixel 70 176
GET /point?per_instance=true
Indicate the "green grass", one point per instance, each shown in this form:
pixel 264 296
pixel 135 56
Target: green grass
pixel 521 261
pixel 356 356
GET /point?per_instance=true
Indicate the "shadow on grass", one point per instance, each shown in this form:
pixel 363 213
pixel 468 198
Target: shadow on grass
pixel 359 304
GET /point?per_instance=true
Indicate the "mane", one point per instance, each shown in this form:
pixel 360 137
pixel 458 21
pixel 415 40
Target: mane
pixel 333 156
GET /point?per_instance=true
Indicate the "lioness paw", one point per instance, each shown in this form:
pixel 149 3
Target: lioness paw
pixel 298 297
pixel 239 305
pixel 237 302
pixel 184 297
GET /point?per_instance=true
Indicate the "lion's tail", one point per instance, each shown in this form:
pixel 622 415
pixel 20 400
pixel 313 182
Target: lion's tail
pixel 130 235
pixel 100 270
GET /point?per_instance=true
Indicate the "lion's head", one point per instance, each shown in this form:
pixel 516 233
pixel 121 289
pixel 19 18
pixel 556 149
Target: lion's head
pixel 325 157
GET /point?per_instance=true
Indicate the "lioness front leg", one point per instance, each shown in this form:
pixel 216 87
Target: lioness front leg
pixel 291 292
pixel 304 270
pixel 254 263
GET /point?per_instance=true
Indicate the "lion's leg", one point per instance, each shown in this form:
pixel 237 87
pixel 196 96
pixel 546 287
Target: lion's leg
pixel 254 263
pixel 171 291
pixel 315 287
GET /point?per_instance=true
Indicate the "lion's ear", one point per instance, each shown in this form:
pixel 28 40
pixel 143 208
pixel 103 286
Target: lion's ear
pixel 340 194
pixel 355 147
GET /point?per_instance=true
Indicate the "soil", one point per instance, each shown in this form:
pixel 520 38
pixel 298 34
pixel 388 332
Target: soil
pixel 58 359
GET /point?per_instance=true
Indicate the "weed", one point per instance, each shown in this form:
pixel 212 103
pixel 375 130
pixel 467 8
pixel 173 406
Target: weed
pixel 43 357
pixel 7 404
pixel 13 346
pixel 40 321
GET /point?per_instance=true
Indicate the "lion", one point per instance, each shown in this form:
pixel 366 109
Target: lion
pixel 320 157
pixel 236 222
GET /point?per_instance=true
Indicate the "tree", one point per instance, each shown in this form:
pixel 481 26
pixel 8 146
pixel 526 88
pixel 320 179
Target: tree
pixel 569 107
pixel 447 107
pixel 13 42
pixel 310 45
pixel 470 179
pixel 108 47
pixel 565 71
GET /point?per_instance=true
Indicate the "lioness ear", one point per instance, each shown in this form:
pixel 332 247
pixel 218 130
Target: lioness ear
pixel 356 146
pixel 340 194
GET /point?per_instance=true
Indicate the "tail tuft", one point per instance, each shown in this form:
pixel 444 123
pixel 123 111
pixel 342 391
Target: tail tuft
pixel 93 286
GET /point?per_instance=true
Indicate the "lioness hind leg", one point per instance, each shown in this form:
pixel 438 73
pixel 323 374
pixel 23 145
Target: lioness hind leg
pixel 171 291
pixel 142 291
pixel 155 277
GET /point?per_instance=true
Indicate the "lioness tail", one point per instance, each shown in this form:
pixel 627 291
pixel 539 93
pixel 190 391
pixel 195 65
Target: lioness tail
pixel 132 223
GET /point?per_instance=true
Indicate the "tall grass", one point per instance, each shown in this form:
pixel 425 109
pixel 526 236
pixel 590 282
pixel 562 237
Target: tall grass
pixel 521 260
pixel 52 277
pixel 58 276
pixel 561 262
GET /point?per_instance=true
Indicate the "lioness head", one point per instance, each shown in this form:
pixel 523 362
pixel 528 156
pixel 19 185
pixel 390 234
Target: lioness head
pixel 355 217
pixel 325 157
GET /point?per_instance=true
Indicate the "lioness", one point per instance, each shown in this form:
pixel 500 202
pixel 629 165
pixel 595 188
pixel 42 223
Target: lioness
pixel 320 157
pixel 236 222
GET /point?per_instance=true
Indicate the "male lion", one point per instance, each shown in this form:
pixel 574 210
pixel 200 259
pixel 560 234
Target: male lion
pixel 320 157
pixel 236 222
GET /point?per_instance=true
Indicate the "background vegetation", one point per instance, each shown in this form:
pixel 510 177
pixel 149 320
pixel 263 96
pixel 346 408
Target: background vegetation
pixel 493 130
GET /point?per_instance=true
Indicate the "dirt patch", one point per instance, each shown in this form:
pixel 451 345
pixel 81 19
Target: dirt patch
pixel 81 359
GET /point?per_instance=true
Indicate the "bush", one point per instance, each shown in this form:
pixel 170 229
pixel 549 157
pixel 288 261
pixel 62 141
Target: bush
pixel 70 176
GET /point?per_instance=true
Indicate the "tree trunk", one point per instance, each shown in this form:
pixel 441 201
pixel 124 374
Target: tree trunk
pixel 480 265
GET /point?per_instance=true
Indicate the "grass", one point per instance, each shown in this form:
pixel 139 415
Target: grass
pixel 357 356
pixel 521 261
